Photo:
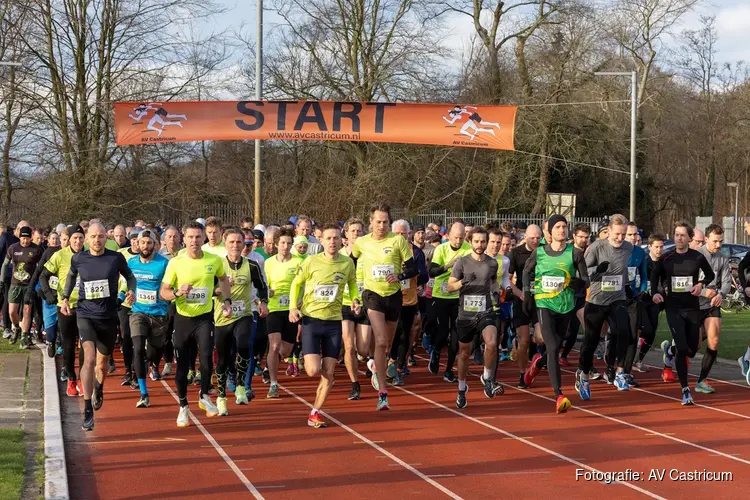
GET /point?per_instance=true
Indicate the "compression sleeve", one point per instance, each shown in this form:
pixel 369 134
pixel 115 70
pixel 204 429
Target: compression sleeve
pixel 580 262
pixel 256 276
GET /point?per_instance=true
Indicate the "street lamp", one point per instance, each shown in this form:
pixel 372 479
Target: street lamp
pixel 633 115
pixel 10 63
pixel 736 186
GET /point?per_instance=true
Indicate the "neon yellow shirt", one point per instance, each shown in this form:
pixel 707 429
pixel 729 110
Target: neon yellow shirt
pixel 443 254
pixel 241 295
pixel 109 245
pixel 280 276
pixel 59 265
pixel 380 258
pixel 324 281
pixel 198 272
pixel 217 250
pixel 359 273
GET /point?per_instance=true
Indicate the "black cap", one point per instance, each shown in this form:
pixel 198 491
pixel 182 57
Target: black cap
pixel 75 229
pixel 24 232
pixel 257 234
pixel 417 228
pixel 554 219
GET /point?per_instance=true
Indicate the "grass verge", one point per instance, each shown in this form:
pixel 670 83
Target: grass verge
pixel 12 463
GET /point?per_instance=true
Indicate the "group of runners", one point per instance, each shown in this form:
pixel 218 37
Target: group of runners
pixel 240 301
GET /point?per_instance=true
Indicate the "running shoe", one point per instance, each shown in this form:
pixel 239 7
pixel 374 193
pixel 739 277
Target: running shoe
pixel 134 384
pixel 666 356
pixel 63 374
pixel 266 376
pixel 79 388
pixel 521 383
pixel 744 365
pixel 532 370
pixel 143 402
pixel 621 382
pixel 704 388
pixel 564 361
pixel 314 420
pixel 398 380
pixel 250 394
pixel 498 389
pixel 167 371
pixel 600 348
pixel 290 370
pixel 205 404
pixel 240 397
pixel 640 367
pixel 50 350
pixel 391 371
pixel 221 406
pixel 383 402
pixel 126 379
pixel 190 376
pixel 197 378
pixel 562 404
pixel 71 389
pixel 88 420
pixel 434 366
pixel 610 375
pixel 374 382
pixel 155 375
pixel 295 370
pixel 504 356
pixel 461 399
pixel 412 361
pixel 355 394
pixel 273 392
pixel 594 374
pixel 25 342
pixel 489 387
pixel 406 371
pixel 687 398
pixel 6 334
pixel 632 382
pixel 112 367
pixel 59 351
pixel 258 370
pixel 183 417
pixel 231 382
pixel 583 387
pixel 97 397
pixel 450 377
pixel 667 375
pixel 478 357
pixel 13 335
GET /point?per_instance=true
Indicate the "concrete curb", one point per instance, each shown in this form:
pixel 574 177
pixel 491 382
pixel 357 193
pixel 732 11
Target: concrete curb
pixel 55 471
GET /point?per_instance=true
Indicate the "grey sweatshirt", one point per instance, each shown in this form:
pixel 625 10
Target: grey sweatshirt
pixel 608 287
pixel 722 283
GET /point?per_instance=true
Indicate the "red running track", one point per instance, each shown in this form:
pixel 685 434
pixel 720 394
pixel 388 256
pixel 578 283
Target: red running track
pixel 512 446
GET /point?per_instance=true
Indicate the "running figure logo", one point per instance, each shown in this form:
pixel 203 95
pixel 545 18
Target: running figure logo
pixel 470 127
pixel 158 118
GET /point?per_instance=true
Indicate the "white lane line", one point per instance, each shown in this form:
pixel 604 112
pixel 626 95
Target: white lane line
pixel 378 448
pixel 729 382
pixel 634 426
pixel 237 471
pixel 679 400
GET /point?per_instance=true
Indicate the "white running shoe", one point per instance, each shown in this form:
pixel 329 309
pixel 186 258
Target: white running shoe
pixel 205 403
pixel 167 370
pixel 240 395
pixel 221 404
pixel 183 418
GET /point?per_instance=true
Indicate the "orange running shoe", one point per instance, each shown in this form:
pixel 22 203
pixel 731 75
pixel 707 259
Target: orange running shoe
pixel 316 421
pixel 532 370
pixel 563 404
pixel 667 375
pixel 79 387
pixel 71 391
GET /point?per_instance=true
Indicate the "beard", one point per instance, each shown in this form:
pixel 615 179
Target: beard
pixel 146 253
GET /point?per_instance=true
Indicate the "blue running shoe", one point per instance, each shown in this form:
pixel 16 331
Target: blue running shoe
pixel 744 365
pixel 59 351
pixel 666 357
pixel 583 387
pixel 231 382
pixel 621 382
pixel 687 398
pixel 426 345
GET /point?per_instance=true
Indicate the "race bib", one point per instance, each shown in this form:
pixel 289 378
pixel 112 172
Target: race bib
pixel 238 308
pixel 553 284
pixel 431 283
pixel 197 296
pixel 611 283
pixel 97 289
pixel 325 293
pixel 682 284
pixel 360 287
pixel 53 282
pixel 147 297
pixel 475 303
pixel 379 273
pixel 283 300
pixel 632 273
pixel 444 288
pixel 405 284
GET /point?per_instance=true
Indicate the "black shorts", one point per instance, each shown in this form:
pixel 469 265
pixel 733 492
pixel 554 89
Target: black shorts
pixel 520 319
pixel 102 332
pixel 360 319
pixel 422 303
pixel 469 328
pixel 241 330
pixel 278 322
pixel 199 328
pixel 580 303
pixel 321 336
pixel 154 328
pixel 390 305
pixel 713 312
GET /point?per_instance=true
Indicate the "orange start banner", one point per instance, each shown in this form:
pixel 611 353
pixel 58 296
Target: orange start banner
pixel 489 127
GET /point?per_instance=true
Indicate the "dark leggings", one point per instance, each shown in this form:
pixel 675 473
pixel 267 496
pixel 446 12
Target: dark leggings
pixel 554 327
pixel 200 329
pixel 594 316
pixel 168 345
pixel 444 313
pixel 6 312
pixel 123 314
pixel 400 345
pixel 649 324
pixel 634 314
pixel 143 354
pixel 37 315
pixel 685 327
pixel 68 326
pixel 572 335
pixel 237 333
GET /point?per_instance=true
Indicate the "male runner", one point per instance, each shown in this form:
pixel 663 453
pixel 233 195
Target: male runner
pixel 680 269
pixel 322 277
pixel 304 227
pixel 215 243
pixel 551 270
pixel 189 281
pixel 148 316
pixel 123 315
pixel 23 258
pixel 498 248
pixel 697 240
pixel 443 308
pixel 607 261
pixel 710 301
pixel 638 278
pixel 99 270
pixel 744 361
pixel 650 311
pixel 384 255
pixel 581 235
pixel 475 277
pixel 243 275
pixel 49 311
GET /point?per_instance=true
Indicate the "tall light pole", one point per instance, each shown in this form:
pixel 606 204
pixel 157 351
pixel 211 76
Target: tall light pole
pixel 633 120
pixel 10 63
pixel 736 186
pixel 258 97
